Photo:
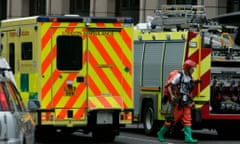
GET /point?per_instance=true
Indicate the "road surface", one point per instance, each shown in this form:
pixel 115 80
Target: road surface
pixel 135 135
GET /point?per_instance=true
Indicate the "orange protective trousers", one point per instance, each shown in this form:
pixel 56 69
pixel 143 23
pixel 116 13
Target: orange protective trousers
pixel 183 114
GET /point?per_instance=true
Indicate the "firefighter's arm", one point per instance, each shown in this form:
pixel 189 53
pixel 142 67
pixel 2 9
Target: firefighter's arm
pixel 170 90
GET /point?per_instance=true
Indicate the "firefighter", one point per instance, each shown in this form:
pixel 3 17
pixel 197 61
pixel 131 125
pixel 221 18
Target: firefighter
pixel 182 110
pixel 5 68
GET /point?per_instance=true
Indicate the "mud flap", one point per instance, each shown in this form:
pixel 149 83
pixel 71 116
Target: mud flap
pixel 197 115
pixel 196 118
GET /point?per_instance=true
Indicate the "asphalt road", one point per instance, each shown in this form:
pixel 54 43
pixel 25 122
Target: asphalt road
pixel 134 135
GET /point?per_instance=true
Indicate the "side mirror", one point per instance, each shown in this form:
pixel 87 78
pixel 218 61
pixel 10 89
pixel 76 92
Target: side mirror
pixel 33 105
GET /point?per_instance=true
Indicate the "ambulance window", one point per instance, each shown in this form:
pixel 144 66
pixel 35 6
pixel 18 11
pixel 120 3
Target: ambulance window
pixel 12 56
pixel 69 52
pixel 27 51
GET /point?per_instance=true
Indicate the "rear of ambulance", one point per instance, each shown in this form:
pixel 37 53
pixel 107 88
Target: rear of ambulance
pixel 87 74
pixel 110 74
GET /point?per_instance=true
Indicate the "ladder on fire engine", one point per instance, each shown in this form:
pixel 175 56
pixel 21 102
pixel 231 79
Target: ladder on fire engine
pixel 193 18
pixel 179 16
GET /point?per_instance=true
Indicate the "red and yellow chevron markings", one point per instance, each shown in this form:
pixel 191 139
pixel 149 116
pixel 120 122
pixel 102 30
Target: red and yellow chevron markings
pixel 203 58
pixel 110 50
pixel 57 100
pixel 115 51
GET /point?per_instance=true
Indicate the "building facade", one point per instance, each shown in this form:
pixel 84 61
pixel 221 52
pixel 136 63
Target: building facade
pixel 138 9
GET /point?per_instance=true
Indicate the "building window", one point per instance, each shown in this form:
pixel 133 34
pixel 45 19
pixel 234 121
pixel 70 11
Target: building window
pixel 191 2
pixel 128 8
pixel 3 9
pixel 80 7
pixel 37 7
pixel 233 6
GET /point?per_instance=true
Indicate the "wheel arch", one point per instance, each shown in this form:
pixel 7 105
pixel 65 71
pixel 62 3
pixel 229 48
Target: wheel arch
pixel 154 102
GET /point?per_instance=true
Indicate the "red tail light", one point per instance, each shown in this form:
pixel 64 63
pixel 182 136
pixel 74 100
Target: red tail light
pixel 4 102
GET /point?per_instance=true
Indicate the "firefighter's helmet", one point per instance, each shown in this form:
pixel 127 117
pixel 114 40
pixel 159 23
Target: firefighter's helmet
pixel 189 64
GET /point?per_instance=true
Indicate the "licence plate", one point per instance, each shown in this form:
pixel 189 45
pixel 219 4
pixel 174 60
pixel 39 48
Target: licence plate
pixel 70 91
pixel 104 118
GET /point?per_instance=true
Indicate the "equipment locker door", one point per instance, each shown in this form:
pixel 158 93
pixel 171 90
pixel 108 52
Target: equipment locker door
pixel 69 75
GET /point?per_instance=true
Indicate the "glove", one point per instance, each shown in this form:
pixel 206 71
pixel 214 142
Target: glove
pixel 186 100
pixel 173 98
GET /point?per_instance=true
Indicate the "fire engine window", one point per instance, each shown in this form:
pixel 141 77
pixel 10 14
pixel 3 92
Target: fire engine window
pixel 69 52
pixel 27 51
pixel 152 64
pixel 173 57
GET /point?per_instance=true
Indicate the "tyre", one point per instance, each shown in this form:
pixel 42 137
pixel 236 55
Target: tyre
pixel 151 126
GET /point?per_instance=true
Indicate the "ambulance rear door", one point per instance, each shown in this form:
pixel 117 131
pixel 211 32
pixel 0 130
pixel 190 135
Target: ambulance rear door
pixel 110 67
pixel 68 71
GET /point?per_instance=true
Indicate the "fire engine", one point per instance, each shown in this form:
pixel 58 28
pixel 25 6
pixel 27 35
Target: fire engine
pixel 73 72
pixel 175 34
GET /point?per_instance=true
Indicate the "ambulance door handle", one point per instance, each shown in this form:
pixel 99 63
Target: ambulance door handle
pixel 80 79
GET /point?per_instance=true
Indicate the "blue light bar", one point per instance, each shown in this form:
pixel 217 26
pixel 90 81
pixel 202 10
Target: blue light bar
pixel 43 19
pixel 128 20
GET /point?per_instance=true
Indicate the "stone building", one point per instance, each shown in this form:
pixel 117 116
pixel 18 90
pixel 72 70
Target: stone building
pixel 138 9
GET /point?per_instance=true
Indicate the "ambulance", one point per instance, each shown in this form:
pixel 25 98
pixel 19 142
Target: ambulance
pixel 73 72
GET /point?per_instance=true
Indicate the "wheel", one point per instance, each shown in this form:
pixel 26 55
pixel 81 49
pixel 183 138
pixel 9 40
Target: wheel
pixel 151 126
